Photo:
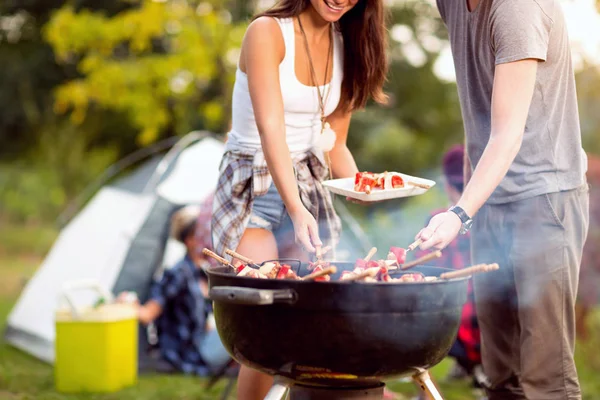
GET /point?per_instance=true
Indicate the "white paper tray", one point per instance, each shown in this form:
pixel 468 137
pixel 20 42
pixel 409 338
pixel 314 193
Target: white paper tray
pixel 345 187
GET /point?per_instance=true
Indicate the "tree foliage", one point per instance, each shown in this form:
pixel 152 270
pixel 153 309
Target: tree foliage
pixel 167 65
pixel 423 116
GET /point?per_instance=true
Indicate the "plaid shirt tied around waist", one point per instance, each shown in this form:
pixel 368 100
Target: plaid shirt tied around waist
pixel 244 175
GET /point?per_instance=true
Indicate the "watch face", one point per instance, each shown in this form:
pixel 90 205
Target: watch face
pixel 466 227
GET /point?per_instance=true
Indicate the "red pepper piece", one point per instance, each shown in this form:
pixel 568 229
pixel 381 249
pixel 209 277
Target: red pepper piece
pixel 397 181
pixel 400 254
pixel 364 179
pixel 283 271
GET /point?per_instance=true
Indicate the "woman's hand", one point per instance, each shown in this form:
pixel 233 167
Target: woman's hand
pixel 306 229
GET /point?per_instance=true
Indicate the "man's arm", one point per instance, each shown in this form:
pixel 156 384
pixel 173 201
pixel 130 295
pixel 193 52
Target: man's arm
pixel 167 288
pixel 146 313
pixel 467 170
pixel 514 84
pixel 149 312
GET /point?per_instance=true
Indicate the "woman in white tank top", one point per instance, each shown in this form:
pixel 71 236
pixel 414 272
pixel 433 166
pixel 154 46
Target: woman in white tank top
pixel 305 66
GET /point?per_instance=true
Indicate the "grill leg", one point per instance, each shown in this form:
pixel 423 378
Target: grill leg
pixel 228 389
pixel 278 391
pixel 424 381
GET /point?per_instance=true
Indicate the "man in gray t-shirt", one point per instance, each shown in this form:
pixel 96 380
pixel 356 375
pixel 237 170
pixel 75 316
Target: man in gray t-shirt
pixel 527 196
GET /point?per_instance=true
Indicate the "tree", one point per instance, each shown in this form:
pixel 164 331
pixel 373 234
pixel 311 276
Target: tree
pixel 167 65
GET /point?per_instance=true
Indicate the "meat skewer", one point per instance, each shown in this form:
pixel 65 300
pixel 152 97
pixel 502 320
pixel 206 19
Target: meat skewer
pixel 414 245
pixel 321 273
pixel 220 259
pixel 475 269
pixel 421 260
pixel 242 258
pixel 319 252
pixel 370 254
pixel 378 272
pixel 368 273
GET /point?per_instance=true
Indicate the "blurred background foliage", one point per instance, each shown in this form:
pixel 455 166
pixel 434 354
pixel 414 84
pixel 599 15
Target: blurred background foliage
pixel 84 83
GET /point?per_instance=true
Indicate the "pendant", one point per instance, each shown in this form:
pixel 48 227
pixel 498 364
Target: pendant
pixel 326 140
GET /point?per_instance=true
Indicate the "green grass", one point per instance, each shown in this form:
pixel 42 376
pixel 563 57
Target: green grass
pixel 24 377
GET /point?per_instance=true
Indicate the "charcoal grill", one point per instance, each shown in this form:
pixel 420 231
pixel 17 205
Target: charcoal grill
pixel 337 340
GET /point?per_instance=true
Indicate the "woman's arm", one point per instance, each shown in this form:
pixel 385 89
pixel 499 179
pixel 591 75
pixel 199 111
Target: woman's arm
pixel 342 161
pixel 263 49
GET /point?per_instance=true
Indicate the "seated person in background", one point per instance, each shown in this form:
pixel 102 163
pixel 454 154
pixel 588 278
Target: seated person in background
pixel 466 349
pixel 178 303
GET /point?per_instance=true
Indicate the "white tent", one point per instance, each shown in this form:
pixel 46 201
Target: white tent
pixel 120 238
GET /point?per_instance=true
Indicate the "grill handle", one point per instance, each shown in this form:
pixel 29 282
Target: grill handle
pixel 251 296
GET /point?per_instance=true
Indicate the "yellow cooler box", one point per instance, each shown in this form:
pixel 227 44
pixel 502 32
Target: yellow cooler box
pixel 96 347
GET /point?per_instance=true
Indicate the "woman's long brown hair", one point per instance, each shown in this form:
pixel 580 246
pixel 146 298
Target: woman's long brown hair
pixel 365 43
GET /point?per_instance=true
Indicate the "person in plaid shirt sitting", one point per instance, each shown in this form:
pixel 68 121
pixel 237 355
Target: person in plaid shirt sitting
pixel 466 349
pixel 178 304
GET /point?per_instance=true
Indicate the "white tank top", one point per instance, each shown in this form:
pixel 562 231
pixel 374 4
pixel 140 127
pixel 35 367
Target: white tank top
pixel 300 102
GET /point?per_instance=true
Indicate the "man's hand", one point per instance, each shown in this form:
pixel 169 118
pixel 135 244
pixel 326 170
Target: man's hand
pixel 127 298
pixel 204 288
pixel 442 229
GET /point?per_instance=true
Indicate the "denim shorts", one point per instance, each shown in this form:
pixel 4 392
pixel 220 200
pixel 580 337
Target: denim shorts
pixel 269 212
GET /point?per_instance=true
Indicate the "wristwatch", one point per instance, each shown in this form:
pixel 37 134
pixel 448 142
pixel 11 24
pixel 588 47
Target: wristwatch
pixel 464 218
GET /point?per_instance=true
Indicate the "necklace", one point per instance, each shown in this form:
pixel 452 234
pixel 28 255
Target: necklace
pixel 327 138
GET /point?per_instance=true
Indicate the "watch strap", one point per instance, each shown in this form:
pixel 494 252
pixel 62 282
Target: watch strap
pixel 464 217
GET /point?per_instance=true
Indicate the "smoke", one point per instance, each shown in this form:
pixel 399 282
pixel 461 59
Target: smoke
pixel 526 234
pixel 389 223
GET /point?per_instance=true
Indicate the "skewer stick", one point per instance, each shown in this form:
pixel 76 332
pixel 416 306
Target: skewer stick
pixel 242 258
pixel 371 253
pixel 319 253
pixel 475 269
pixel 418 261
pixel 220 259
pixel 365 274
pixel 415 244
pixel 325 250
pixel 419 185
pixel 326 271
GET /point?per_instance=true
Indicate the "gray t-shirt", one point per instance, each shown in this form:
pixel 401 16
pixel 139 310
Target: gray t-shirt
pixel 551 158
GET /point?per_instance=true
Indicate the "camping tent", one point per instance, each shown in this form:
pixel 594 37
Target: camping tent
pixel 120 238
